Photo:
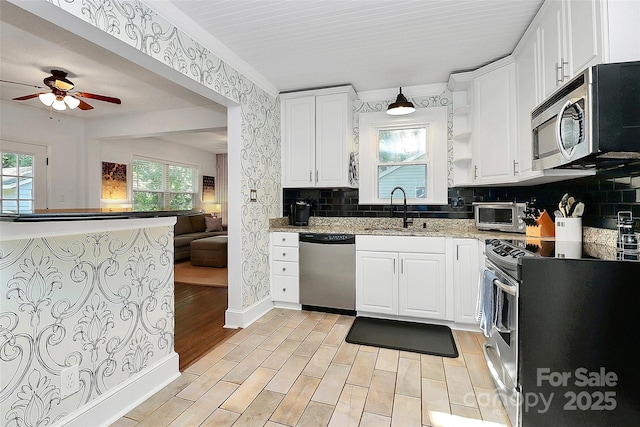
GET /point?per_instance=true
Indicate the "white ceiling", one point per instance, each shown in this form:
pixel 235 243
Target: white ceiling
pixel 289 44
pixel 372 44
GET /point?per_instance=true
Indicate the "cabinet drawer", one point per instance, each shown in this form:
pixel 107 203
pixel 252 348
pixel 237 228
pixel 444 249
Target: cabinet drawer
pixel 284 288
pixel 285 268
pixel 284 253
pixel 280 238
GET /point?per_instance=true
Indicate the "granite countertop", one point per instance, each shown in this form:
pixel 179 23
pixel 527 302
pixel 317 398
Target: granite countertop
pixel 596 242
pixel 427 227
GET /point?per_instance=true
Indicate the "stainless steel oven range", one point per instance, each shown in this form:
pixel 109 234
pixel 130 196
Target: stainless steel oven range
pixel 557 343
pixel 501 347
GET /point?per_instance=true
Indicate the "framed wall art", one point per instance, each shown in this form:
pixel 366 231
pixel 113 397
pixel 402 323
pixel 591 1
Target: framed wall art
pixel 114 181
pixel 208 188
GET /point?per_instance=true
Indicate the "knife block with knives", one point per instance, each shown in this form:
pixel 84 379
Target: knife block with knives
pixel 540 226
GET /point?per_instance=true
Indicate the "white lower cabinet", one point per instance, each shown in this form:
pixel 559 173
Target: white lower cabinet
pixel 284 267
pixel 402 276
pixel 466 268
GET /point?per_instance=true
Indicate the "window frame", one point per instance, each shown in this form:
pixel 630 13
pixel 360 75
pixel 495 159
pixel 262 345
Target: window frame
pixel 435 121
pixel 165 192
pixel 18 176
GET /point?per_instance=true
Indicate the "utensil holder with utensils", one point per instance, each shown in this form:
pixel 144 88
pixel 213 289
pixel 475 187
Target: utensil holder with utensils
pixel 568 229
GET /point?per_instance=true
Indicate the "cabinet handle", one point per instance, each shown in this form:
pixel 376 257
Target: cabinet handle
pixel 284 254
pixel 284 239
pixel 401 266
pixel 284 268
pixel 310 176
pixel 457 252
pixel 515 170
pixel 558 74
pixel 284 289
pixel 317 176
pixel 394 266
pixel 475 172
pixel 563 74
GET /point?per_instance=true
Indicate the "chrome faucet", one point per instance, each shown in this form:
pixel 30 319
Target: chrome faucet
pixel 405 221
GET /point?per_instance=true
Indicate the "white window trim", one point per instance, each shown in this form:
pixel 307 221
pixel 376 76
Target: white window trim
pixel 165 191
pixel 435 120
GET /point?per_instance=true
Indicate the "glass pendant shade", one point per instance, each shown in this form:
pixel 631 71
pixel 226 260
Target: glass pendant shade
pixel 401 107
pixel 59 104
pixel 47 98
pixel 71 101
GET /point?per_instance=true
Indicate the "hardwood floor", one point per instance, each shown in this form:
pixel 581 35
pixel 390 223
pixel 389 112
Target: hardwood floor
pixel 199 321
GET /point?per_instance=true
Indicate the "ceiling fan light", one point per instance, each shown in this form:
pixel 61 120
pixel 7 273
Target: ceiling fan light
pixel 59 104
pixel 63 84
pixel 401 107
pixel 47 98
pixel 71 102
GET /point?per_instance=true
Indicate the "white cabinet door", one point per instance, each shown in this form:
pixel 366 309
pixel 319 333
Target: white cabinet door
pixel 551 48
pixel 494 128
pixel 377 282
pixel 333 114
pixel 421 285
pixel 466 268
pixel 527 89
pixel 298 136
pixel 583 34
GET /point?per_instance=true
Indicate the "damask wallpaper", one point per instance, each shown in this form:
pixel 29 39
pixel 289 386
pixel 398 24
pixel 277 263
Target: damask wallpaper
pixel 102 301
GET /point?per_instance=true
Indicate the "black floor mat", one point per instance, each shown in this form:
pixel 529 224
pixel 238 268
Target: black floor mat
pixel 407 336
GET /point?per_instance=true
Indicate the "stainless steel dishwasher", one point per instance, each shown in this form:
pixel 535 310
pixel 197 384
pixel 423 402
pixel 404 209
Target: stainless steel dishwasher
pixel 327 272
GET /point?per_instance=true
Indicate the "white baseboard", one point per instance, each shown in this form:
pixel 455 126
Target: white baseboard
pixel 111 406
pixel 234 319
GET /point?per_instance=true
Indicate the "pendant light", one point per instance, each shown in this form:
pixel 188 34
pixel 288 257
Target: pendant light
pixel 401 106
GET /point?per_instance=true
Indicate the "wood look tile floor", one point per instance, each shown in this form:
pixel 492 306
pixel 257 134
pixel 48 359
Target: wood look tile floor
pixel 294 368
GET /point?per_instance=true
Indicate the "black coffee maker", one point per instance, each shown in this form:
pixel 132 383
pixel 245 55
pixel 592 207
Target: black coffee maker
pixel 299 213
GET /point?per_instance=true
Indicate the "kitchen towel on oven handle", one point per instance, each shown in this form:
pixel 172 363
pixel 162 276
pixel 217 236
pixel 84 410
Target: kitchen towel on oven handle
pixel 485 305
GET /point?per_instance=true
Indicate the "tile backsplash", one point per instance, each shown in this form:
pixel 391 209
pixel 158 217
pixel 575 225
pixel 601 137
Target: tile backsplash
pixel 604 195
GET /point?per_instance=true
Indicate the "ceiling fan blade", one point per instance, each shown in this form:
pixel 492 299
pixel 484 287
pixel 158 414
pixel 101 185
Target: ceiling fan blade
pixel 84 106
pixel 24 98
pixel 98 97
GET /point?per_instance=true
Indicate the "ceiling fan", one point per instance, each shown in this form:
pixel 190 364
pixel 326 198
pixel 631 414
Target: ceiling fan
pixel 60 97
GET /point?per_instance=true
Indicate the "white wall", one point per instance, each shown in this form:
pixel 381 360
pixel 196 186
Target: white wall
pixel 64 138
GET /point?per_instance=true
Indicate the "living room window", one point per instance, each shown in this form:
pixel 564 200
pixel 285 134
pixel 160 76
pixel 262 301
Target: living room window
pixel 17 183
pixel 159 185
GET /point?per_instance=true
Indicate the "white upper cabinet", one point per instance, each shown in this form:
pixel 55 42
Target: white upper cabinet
pixel 494 125
pixel 485 146
pixel 317 137
pixel 570 38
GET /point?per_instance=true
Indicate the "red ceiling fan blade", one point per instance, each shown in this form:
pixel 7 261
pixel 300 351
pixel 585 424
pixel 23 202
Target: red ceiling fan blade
pixel 84 106
pixel 98 97
pixel 24 98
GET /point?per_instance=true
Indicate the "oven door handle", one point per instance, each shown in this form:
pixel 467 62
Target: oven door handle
pixel 510 289
pixel 512 393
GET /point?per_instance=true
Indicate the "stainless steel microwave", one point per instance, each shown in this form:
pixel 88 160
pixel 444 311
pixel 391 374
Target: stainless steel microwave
pixel 593 118
pixel 500 216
